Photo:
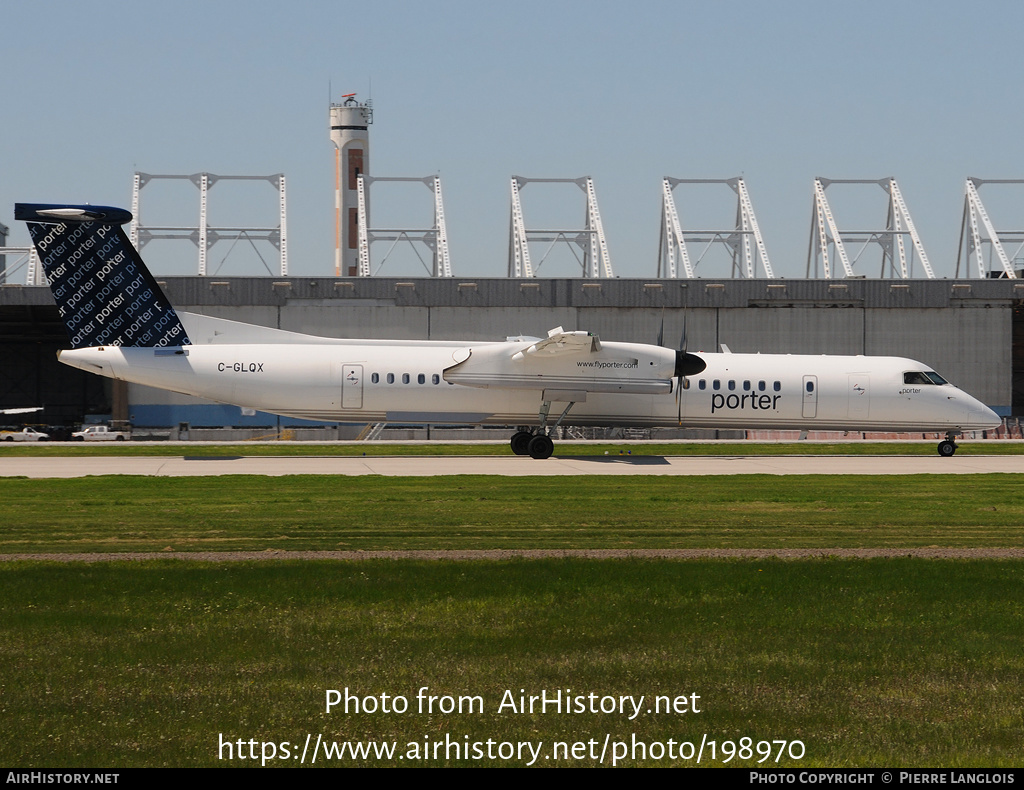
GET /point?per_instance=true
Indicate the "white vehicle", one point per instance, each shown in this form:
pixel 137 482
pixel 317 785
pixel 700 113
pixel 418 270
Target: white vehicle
pixel 121 325
pixel 99 433
pixel 24 435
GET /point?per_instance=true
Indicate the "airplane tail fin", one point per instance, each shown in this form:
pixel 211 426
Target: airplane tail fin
pixel 103 290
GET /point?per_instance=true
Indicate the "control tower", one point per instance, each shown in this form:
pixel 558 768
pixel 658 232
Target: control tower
pixel 350 122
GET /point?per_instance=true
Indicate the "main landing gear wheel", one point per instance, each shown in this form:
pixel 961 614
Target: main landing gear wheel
pixel 947 448
pixel 538 445
pixel 521 442
pixel 541 446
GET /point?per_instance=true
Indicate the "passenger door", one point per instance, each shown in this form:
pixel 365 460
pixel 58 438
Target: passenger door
pixel 859 394
pixel 810 389
pixel 351 386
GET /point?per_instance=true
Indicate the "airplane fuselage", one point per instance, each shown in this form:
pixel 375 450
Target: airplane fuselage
pixel 624 384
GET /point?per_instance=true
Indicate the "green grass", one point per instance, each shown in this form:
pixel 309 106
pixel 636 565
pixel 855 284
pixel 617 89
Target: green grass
pixel 316 512
pixel 885 663
pixel 563 449
pixel 882 663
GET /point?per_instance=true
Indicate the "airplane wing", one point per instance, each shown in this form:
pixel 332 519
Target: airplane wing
pixel 565 362
pixel 559 341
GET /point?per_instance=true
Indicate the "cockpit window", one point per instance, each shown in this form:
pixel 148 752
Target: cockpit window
pixel 923 377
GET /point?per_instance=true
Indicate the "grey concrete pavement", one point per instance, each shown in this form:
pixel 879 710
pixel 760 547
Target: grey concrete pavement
pixel 420 466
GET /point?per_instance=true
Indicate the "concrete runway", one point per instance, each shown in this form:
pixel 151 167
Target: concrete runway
pixel 420 466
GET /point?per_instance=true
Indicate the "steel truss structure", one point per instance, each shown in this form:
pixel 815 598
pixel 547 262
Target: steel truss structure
pixel 589 240
pixel 825 234
pixel 434 238
pixel 202 235
pixel 743 240
pixel 974 236
pixel 26 256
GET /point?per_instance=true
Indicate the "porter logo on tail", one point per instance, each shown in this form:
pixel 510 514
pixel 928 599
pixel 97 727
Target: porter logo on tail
pixel 103 290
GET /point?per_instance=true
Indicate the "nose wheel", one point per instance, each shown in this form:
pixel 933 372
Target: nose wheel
pixel 948 447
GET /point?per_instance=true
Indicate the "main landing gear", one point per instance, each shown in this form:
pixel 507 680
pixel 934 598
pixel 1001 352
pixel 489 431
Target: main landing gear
pixel 948 447
pixel 538 445
pixel 535 445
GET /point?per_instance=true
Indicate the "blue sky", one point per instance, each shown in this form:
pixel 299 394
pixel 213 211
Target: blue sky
pixel 628 93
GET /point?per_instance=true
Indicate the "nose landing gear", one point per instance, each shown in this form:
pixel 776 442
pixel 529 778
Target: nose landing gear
pixel 948 446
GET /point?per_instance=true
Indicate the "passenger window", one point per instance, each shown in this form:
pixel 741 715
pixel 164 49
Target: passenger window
pixel 435 379
pixel 777 386
pixel 746 386
pixel 686 383
pixel 405 378
pixel 761 386
pixel 716 385
pixel 702 385
pixel 732 385
pixel 810 386
pixel 391 378
pixel 421 379
pixel 375 378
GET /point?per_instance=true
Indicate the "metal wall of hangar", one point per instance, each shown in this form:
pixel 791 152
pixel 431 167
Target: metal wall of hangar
pixel 31 376
pixel 966 329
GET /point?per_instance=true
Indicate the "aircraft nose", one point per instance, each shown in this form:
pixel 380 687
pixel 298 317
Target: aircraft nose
pixel 980 417
pixel 983 414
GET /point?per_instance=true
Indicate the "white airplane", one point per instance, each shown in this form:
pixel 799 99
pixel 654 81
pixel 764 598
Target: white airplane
pixel 121 325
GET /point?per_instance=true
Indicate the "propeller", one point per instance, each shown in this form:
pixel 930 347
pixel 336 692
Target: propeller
pixel 686 364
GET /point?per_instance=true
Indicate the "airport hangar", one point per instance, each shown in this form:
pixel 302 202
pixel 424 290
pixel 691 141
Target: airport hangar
pixel 970 331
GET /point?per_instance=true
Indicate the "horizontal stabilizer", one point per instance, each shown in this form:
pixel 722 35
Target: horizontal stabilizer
pixel 48 212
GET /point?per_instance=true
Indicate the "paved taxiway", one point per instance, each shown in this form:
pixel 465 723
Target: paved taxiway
pixel 424 466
